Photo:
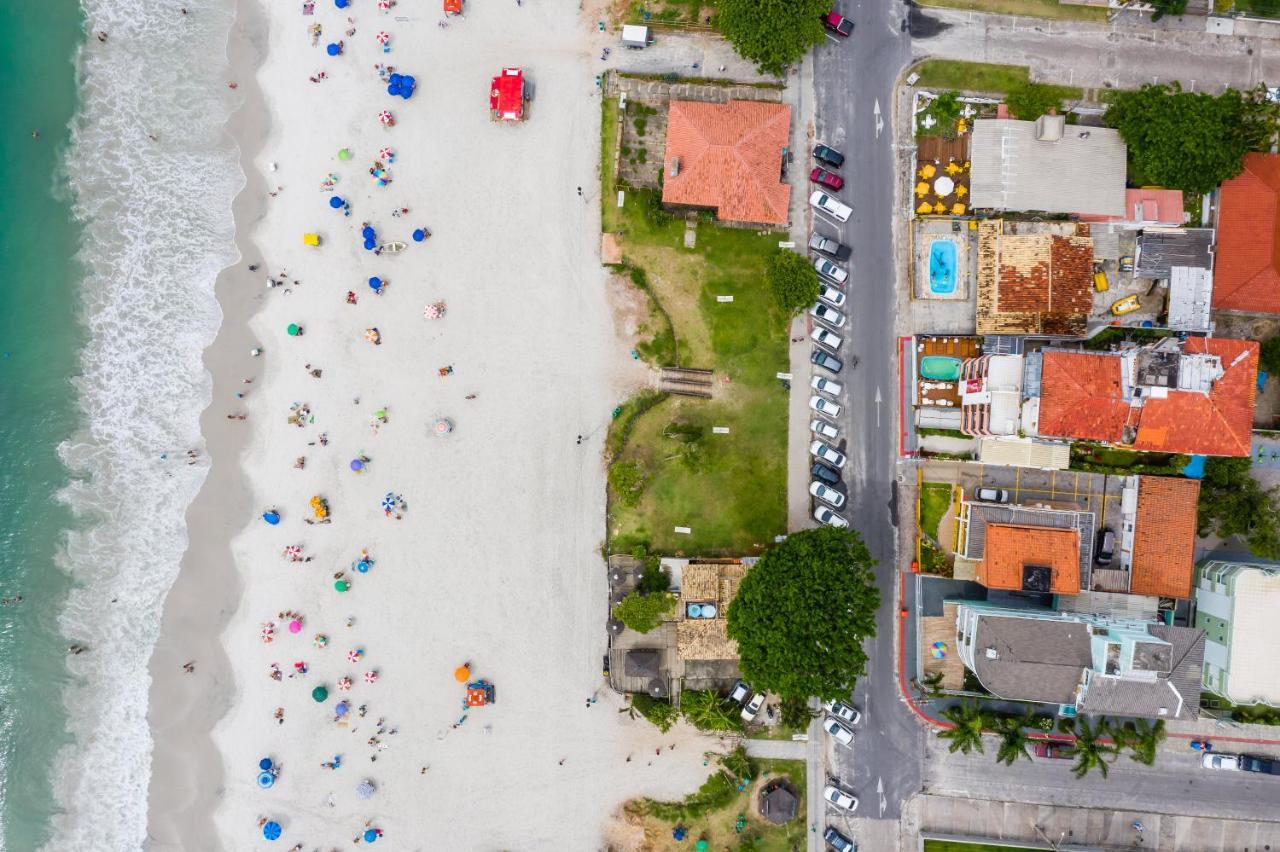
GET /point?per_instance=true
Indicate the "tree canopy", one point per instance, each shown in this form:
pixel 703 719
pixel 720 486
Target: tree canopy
pixel 794 281
pixel 643 613
pixel 1232 503
pixel 1167 7
pixel 802 613
pixel 772 33
pixel 1029 101
pixel 1269 358
pixel 1189 140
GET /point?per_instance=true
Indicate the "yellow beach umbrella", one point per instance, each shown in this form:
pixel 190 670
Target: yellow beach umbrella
pixel 957 209
pixel 962 190
pixel 925 208
pixel 928 171
pixel 922 189
pixel 953 168
pixel 939 208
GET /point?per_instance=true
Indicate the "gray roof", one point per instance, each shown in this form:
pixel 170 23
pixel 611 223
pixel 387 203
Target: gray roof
pixel 1030 659
pixel 1177 693
pixel 1161 249
pixel 642 662
pixel 1069 169
pixel 1190 299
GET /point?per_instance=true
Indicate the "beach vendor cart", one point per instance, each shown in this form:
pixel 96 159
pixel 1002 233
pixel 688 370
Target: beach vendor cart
pixel 311 239
pixel 509 96
pixel 480 693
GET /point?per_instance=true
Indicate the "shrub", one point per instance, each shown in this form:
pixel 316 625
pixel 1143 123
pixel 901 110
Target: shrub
pixel 793 280
pixel 707 710
pixel 627 478
pixel 662 714
pixel 795 713
pixel 653 579
pixel 643 613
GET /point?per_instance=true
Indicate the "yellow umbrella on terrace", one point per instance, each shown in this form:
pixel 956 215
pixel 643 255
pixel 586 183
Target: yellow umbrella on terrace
pixel 925 208
pixel 957 209
pixel 928 171
pixel 962 190
pixel 922 189
pixel 939 208
pixel 953 168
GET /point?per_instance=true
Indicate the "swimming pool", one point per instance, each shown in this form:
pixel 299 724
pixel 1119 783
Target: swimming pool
pixel 942 267
pixel 940 368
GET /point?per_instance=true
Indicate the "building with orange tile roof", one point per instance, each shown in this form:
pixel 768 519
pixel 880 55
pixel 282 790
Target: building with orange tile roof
pixel 1033 283
pixel 1146 208
pixel 728 158
pixel 1247 271
pixel 1164 537
pixel 1192 397
pixel 1032 559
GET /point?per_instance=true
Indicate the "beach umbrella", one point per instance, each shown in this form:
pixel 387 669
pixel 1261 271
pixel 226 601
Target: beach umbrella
pixel 462 673
pixel 386 154
pixel 341 709
pixel 333 49
pixel 344 684
pixel 342 4
pixel 357 465
pixel 319 694
pixel 370 244
pixel 271 830
pixel 265 764
pixel 363 566
pixel 385 118
pixel 354 656
pixel 679 832
pixel 271 516
pixel 389 502
pixel 383 37
pixel 365 789
pixel 371 677
pixel 344 154
pixel 419 235
pixel 375 283
pixel 295 626
pixel 294 329
pixel 292 551
pixel 335 202
pixel 393 89
pixel 265 780
pixel 701 846
pixel 368 232
pixel 341 585
pixel 370 835
pixel 443 426
pixel 320 640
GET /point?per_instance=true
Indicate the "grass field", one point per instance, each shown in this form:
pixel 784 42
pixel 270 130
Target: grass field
pixel 982 77
pixel 935 497
pixel 1051 9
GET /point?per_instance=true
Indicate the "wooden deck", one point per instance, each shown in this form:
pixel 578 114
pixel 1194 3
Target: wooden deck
pixel 942 629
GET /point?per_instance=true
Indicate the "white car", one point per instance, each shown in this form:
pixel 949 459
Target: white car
pixel 753 707
pixel 826 453
pixel 827 314
pixel 822 337
pixel 825 203
pixel 826 386
pixel 830 270
pixel 826 494
pixel 843 711
pixel 837 729
pixel 841 799
pixel 823 429
pixel 831 295
pixel 1220 761
pixel 824 406
pixel 824 515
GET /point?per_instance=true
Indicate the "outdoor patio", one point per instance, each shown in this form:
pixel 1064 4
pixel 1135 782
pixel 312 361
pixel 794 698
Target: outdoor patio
pixel 942 271
pixel 942 176
pixel 937 648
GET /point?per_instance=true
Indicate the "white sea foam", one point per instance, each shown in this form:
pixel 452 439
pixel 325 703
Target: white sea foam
pixel 158 228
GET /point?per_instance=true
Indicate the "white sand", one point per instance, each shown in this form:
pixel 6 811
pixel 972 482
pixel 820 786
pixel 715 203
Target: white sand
pixel 497 559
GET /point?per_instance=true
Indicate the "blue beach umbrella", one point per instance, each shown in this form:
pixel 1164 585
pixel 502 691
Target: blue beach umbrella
pixel 341 708
pixel 363 566
pixel 342 4
pixel 370 835
pixel 389 502
pixel 271 830
pixel 333 49
pixel 265 780
pixel 368 232
pixel 370 245
pixel 395 79
pixel 419 235
pixel 271 516
pixel 335 202
pixel 393 89
pixel 265 764
pixel 375 283
pixel 409 81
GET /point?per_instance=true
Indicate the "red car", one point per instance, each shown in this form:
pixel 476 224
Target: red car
pixel 838 24
pixel 830 180
pixel 1053 749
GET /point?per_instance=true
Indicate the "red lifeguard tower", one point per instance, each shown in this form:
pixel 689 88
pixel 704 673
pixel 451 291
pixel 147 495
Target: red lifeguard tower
pixel 508 96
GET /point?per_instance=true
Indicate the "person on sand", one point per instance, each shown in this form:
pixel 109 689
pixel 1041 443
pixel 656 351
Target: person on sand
pixel 190 667
pixel 279 716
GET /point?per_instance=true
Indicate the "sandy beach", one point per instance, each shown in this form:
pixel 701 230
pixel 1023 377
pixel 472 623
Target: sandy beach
pixel 495 558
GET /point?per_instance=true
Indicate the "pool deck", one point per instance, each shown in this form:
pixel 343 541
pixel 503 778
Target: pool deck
pixel 943 394
pixel 928 231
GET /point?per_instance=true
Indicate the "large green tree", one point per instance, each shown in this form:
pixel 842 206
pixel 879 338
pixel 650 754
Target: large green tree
pixel 802 613
pixel 793 279
pixel 772 33
pixel 1189 140
pixel 1232 503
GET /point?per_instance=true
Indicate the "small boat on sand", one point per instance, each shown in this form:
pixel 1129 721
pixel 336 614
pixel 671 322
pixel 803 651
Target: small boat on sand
pixel 391 248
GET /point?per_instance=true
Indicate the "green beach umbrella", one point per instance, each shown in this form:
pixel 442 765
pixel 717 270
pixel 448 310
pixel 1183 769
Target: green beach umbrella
pixel 342 585
pixel 344 154
pixel 294 328
pixel 702 846
pixel 319 694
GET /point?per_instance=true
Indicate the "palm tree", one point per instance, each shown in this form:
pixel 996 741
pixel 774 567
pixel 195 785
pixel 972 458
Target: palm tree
pixel 969 720
pixel 1013 738
pixel 1142 738
pixel 1091 752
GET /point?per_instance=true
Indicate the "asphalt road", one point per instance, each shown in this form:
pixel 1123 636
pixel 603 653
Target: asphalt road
pixel 853 78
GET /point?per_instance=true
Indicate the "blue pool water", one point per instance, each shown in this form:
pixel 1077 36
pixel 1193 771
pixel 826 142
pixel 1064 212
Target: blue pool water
pixel 942 267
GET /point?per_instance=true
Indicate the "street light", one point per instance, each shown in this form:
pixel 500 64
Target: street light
pixel 1052 843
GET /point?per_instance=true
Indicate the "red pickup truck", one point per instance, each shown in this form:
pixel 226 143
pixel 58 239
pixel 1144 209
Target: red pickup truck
pixel 837 24
pixel 1053 749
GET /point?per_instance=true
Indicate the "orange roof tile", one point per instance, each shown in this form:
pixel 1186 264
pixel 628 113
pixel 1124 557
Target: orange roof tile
pixel 1162 206
pixel 1010 547
pixel 1246 275
pixel 1082 397
pixel 1164 537
pixel 730 159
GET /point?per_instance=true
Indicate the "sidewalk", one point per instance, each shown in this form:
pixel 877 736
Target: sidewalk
pixel 776 749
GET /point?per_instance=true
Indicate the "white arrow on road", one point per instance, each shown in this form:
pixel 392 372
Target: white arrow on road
pixel 879 120
pixel 879 400
pixel 880 792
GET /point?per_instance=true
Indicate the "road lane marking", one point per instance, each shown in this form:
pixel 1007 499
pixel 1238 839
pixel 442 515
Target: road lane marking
pixel 879 120
pixel 879 400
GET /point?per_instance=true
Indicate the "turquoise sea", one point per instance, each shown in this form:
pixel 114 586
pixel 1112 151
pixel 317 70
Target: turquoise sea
pixel 39 341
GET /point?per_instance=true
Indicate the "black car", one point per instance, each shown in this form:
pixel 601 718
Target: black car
pixel 830 156
pixel 825 361
pixel 829 247
pixel 1265 765
pixel 829 475
pixel 838 841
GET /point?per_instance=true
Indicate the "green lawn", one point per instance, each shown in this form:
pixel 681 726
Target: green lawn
pixel 935 498
pixel 1032 8
pixel 953 846
pixel 982 77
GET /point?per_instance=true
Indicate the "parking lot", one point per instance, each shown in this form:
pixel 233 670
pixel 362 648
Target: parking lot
pixel 1092 492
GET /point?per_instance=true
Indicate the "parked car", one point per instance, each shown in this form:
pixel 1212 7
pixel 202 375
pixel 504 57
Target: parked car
pixel 826 361
pixel 837 24
pixel 840 798
pixel 830 270
pixel 1053 749
pixel 823 429
pixel 741 691
pixel 826 386
pixel 830 180
pixel 1127 305
pixel 1265 765
pixel 831 295
pixel 1213 760
pixel 1106 548
pixel 829 475
pixel 827 453
pixel 993 495
pixel 822 337
pixel 753 707
pixel 827 314
pixel 827 154
pixel 826 204
pixel 838 841
pixel 826 494
pixel 829 247
pixel 826 515
pixel 838 730
pixel 842 711
pixel 824 406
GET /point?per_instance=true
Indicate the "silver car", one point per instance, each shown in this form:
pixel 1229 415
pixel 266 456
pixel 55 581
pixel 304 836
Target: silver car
pixel 840 798
pixel 824 406
pixel 826 453
pixel 827 314
pixel 823 429
pixel 824 515
pixel 822 337
pixel 830 270
pixel 826 494
pixel 831 295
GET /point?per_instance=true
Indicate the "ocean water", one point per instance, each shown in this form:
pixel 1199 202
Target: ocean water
pixel 116 226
